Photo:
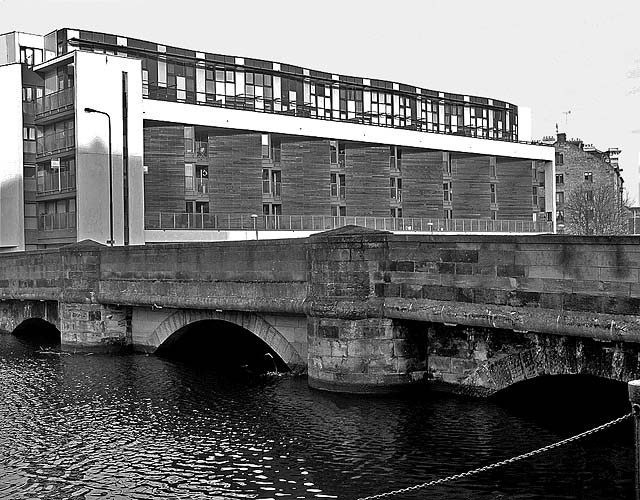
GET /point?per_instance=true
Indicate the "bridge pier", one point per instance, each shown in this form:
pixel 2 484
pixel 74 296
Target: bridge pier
pixel 95 327
pixel 370 355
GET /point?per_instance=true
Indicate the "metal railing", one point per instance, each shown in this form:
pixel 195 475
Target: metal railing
pixel 309 110
pixel 56 101
pixel 64 181
pixel 195 185
pixel 52 222
pixel 173 220
pixel 55 143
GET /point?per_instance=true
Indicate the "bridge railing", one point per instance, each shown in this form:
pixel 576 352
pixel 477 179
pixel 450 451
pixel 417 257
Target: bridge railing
pixel 175 220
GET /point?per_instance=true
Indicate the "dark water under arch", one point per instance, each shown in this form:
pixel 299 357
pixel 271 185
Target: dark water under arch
pixel 145 427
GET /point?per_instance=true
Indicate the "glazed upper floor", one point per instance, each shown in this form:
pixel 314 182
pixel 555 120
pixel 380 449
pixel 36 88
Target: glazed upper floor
pixel 186 76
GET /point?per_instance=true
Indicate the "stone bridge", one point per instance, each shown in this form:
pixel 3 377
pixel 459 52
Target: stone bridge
pixel 359 310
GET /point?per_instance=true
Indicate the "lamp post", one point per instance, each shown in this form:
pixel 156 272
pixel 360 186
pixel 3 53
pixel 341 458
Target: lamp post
pixel 255 227
pixel 91 110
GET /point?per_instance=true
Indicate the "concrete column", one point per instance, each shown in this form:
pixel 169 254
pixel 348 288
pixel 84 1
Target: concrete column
pixel 94 327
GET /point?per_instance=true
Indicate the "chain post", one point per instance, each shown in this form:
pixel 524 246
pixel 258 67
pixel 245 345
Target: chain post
pixel 634 399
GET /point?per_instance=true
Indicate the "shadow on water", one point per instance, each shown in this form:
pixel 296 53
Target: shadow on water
pixel 560 402
pixel 39 334
pixel 222 347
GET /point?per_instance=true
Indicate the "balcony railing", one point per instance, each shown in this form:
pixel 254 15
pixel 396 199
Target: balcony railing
pixel 202 150
pixel 55 102
pixel 55 143
pixel 52 222
pixel 54 183
pixel 309 110
pixel 196 185
pixel 173 220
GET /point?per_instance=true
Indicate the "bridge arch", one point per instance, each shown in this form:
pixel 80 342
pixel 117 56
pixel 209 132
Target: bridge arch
pixel 251 322
pixel 555 355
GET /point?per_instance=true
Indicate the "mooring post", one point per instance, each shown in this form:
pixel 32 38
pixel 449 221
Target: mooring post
pixel 634 399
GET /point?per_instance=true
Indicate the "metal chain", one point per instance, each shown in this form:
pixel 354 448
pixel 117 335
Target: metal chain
pixel 501 463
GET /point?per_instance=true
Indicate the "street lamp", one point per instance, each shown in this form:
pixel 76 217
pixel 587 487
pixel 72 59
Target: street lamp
pixel 91 110
pixel 255 227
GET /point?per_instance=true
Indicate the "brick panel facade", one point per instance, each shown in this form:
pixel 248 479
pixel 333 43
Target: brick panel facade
pixel 164 158
pixel 305 170
pixel 235 174
pixel 422 183
pixel 471 194
pixel 514 189
pixel 367 181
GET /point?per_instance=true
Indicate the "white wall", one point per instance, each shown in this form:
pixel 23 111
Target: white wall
pixel 99 86
pixel 524 124
pixel 267 122
pixel 11 159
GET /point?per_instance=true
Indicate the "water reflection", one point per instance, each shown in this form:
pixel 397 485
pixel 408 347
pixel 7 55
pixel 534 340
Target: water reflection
pixel 145 428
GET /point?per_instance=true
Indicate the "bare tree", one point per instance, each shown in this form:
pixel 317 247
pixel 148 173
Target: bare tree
pixel 596 209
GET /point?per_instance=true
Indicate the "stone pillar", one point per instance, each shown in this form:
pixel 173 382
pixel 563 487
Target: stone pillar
pixel 94 328
pixel 370 355
pixel 351 347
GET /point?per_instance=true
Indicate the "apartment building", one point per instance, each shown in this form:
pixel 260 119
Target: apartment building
pixel 126 142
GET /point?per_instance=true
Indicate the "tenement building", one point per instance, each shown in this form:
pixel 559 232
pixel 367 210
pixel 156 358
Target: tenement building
pixel 126 141
pixel 587 180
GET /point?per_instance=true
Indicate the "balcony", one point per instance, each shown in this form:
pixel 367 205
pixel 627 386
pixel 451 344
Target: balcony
pixel 56 183
pixel 56 143
pixel 197 185
pixel 396 195
pixel 54 103
pixel 54 222
pixel 202 150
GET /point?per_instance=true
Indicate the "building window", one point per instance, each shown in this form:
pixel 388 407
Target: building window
pixel 559 179
pixel 338 188
pixel 395 184
pixel 396 212
pixel 493 173
pixel 338 211
pixel 559 199
pixel 189 138
pixel 494 215
pixel 29 133
pixel 448 213
pixel 272 183
pixel 381 108
pixel 559 215
pixel 271 209
pixel 447 192
pixel 535 196
pixel 446 165
pixel 395 158
pixel 494 199
pixel 588 196
pixel 30 57
pixel 258 89
pixel 559 159
pixel 197 207
pixel 588 176
pixel 338 155
pixel 189 177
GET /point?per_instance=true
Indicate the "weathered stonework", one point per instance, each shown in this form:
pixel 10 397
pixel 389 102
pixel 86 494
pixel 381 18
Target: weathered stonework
pixel 370 311
pixel 95 327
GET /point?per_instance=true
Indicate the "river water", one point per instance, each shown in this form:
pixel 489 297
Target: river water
pixel 142 427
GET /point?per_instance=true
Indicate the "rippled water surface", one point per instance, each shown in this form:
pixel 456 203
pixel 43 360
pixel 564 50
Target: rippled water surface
pixel 145 428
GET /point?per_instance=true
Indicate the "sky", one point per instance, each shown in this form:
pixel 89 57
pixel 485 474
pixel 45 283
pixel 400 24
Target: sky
pixel 576 64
